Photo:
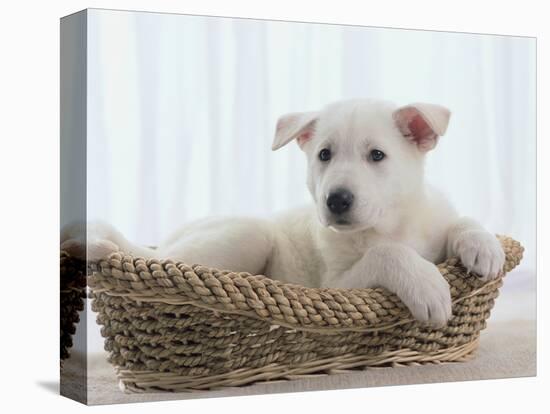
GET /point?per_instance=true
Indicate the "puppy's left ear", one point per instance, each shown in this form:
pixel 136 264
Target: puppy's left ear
pixel 297 125
pixel 422 123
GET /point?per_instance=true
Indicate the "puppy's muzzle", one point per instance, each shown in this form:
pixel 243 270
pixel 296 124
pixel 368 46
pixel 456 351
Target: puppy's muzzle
pixel 340 201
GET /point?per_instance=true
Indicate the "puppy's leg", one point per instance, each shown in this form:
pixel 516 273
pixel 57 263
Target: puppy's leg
pixel 478 250
pixel 237 244
pixel 401 270
pixel 96 240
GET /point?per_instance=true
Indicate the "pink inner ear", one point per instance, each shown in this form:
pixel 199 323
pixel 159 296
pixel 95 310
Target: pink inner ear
pixel 304 137
pixel 421 133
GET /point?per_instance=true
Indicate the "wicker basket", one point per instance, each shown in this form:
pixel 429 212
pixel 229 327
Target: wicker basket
pixel 174 327
pixel 72 294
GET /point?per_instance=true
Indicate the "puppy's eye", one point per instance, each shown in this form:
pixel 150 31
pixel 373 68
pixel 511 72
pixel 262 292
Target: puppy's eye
pixel 377 155
pixel 324 154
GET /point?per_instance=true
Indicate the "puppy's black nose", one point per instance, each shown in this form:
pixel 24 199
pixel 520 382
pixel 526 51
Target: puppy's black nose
pixel 339 201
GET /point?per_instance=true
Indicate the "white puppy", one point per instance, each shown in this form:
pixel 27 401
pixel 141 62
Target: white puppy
pixel 375 221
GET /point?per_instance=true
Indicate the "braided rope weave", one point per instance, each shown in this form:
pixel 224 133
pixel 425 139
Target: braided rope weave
pixel 72 294
pixel 174 327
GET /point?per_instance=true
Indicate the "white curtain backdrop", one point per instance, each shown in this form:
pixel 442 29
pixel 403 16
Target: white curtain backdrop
pixel 182 111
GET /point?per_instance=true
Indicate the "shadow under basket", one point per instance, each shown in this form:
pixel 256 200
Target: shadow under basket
pixel 173 327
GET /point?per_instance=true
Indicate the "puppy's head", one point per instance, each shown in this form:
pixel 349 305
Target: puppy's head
pixel 364 157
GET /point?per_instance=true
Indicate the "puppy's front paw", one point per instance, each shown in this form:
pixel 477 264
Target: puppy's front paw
pixel 428 296
pixel 480 252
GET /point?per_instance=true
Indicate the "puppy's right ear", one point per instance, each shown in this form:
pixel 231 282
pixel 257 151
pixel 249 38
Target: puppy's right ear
pixel 422 123
pixel 297 125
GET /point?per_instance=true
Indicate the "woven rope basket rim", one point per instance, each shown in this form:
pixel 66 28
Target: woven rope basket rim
pixel 256 296
pixel 150 309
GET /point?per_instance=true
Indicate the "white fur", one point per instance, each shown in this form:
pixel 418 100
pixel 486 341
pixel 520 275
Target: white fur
pixel 396 229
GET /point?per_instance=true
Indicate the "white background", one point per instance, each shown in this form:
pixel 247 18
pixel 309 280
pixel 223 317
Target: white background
pixel 29 85
pixel 182 111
